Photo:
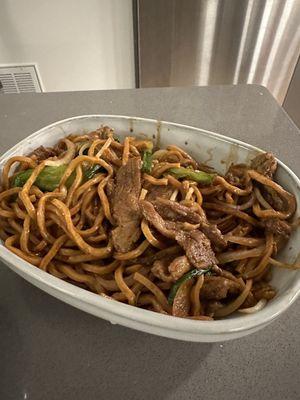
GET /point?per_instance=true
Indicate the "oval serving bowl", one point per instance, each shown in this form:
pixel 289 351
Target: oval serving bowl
pixel 207 147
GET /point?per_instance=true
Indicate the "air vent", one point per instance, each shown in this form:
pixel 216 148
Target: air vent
pixel 19 79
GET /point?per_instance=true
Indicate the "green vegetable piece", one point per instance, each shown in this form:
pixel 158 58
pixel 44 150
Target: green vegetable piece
pixel 189 275
pixel 50 177
pixel 197 176
pixel 147 161
pixel 92 171
pixel 21 178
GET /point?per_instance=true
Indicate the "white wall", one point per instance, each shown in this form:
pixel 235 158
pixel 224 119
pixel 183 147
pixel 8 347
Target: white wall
pixel 77 44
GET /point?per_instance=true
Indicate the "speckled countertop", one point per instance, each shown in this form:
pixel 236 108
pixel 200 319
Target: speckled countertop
pixel 51 351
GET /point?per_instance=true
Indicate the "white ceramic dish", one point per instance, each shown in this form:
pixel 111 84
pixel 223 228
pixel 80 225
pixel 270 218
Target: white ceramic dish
pixel 219 151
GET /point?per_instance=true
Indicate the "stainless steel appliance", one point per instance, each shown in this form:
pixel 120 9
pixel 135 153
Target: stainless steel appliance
pixel 207 42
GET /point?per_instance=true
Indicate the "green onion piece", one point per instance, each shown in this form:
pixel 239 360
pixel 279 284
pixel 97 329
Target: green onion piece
pixel 189 275
pixel 197 176
pixel 147 161
pixel 49 178
pixel 21 178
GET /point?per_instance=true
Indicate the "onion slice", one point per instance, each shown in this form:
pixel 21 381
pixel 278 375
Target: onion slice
pixel 251 310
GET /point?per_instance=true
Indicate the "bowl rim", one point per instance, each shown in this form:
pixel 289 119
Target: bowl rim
pixel 117 309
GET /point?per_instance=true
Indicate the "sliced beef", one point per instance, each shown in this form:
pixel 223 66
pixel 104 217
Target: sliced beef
pixel 160 270
pixel 166 228
pixel 104 132
pixel 273 198
pixel 125 236
pixel 43 153
pixel 125 206
pixel 60 148
pixel 262 290
pixel 250 301
pixel 265 164
pixel 154 192
pixel 197 248
pixel 195 244
pixel 173 211
pixel 218 288
pixel 236 174
pixel 280 229
pixel 110 189
pixel 178 267
pixel 214 235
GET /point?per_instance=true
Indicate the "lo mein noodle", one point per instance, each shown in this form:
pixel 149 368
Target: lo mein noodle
pixel 149 227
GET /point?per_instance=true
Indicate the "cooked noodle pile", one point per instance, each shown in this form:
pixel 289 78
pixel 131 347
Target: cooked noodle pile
pixel 149 227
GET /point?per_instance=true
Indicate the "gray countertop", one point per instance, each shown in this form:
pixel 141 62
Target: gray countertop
pixel 50 350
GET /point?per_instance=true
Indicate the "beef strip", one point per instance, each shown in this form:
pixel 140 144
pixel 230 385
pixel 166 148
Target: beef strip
pixel 249 302
pixel 60 148
pixel 105 132
pixel 160 270
pixel 265 164
pixel 173 211
pixel 236 174
pixel 280 229
pixel 195 244
pixel 178 267
pixel 158 191
pixel 101 133
pixel 166 228
pixel 125 206
pixel 273 198
pixel 197 248
pixel 262 290
pixel 214 235
pixel 217 288
pixel 110 189
pixel 43 153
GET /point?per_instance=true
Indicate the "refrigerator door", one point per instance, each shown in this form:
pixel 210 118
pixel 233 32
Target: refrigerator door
pixel 206 42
